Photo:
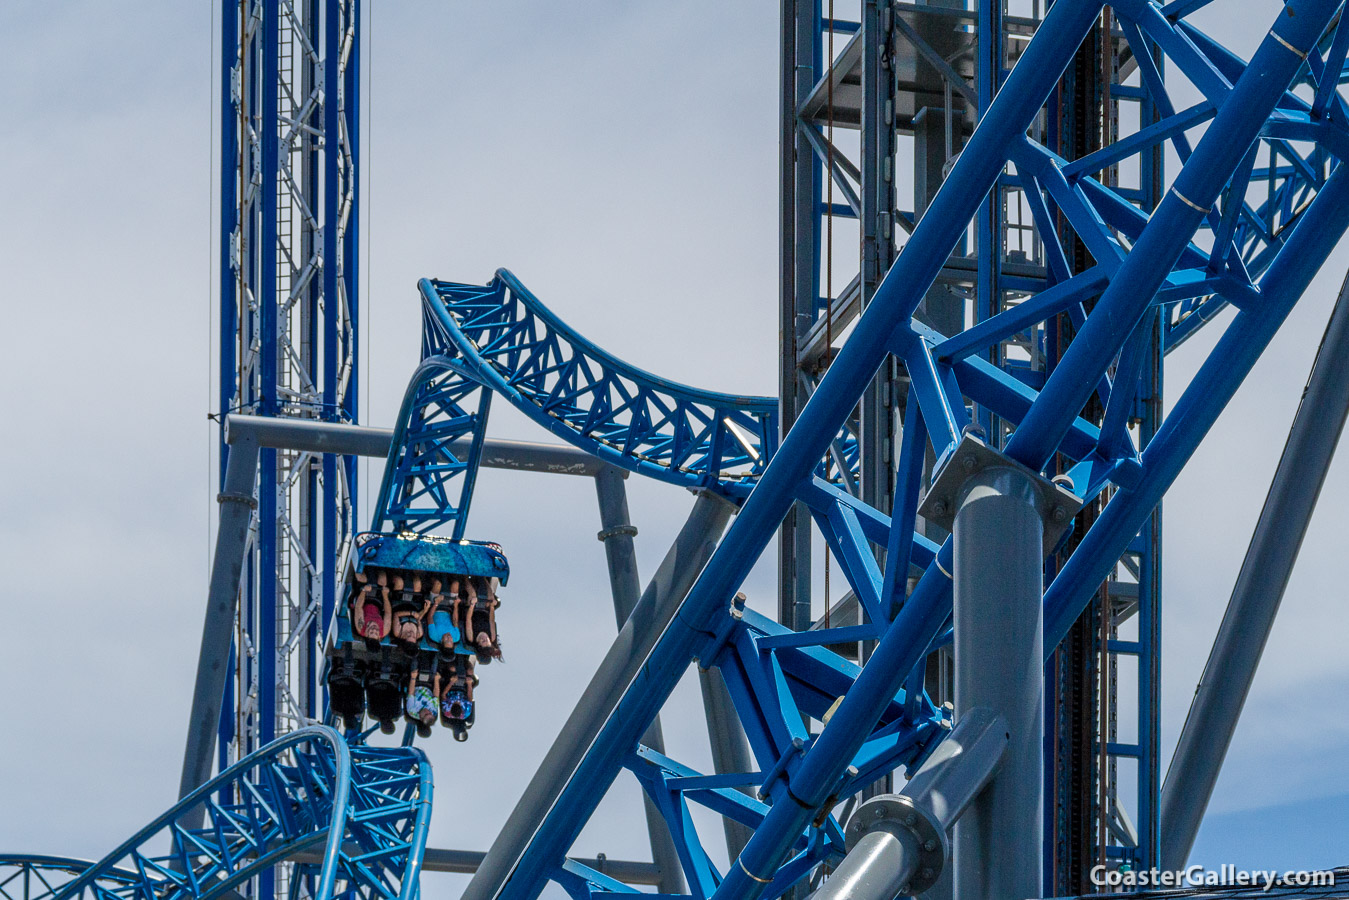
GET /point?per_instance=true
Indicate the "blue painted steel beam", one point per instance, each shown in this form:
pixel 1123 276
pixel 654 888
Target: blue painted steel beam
pixel 801 773
pixel 1199 406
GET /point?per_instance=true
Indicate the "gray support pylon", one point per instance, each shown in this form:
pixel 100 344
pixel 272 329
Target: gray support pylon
pixel 466 862
pixel 222 599
pixel 666 591
pixel 730 747
pixel 363 440
pixel 999 632
pixel 1259 588
pixel 897 843
pixel 617 532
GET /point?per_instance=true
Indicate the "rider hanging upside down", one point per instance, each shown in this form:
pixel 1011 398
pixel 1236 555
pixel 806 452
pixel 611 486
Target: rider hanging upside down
pixel 423 691
pixel 456 704
pixel 408 608
pixel 371 612
pixel 443 614
pixel 480 624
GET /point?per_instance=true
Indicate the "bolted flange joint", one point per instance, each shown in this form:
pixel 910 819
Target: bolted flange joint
pixel 910 824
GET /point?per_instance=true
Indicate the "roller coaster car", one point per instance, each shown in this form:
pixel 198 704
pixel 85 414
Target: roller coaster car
pixel 369 675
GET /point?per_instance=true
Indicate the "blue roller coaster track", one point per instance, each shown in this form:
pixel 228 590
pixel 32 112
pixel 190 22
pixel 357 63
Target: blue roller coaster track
pixel 1260 200
pixel 365 808
pixel 500 339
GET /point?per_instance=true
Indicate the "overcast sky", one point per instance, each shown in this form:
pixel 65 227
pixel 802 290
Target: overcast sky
pixel 622 161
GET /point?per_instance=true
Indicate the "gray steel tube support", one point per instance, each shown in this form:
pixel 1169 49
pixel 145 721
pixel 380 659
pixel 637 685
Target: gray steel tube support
pixel 466 862
pixel 1259 588
pixel 686 558
pixel 999 632
pixel 617 533
pixel 236 510
pixel 897 842
pixel 730 747
pixel 363 440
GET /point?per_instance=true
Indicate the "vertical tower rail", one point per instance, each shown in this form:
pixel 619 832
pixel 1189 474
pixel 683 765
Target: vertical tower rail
pixel 288 333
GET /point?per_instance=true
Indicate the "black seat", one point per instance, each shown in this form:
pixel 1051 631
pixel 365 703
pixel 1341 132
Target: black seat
pixel 345 695
pixel 384 695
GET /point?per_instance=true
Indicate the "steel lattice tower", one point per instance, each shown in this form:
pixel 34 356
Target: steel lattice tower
pixel 904 84
pixel 288 335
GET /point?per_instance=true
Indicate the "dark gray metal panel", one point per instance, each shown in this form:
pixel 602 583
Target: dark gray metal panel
pixel 1259 589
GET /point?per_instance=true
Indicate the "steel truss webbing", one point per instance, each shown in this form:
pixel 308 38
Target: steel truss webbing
pixel 288 333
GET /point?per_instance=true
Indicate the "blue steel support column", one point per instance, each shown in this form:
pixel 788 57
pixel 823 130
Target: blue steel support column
pixel 331 82
pixel 896 298
pixel 264 639
pixel 351 243
pixel 229 303
pixel 264 624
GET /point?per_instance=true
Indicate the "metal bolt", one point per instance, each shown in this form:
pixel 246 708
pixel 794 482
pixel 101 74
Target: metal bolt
pixel 1060 515
pixel 929 846
pixel 910 819
pixel 939 508
pixel 926 874
pixel 968 462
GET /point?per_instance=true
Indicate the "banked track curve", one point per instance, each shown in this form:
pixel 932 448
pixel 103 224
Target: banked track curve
pixel 499 338
pixel 366 809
